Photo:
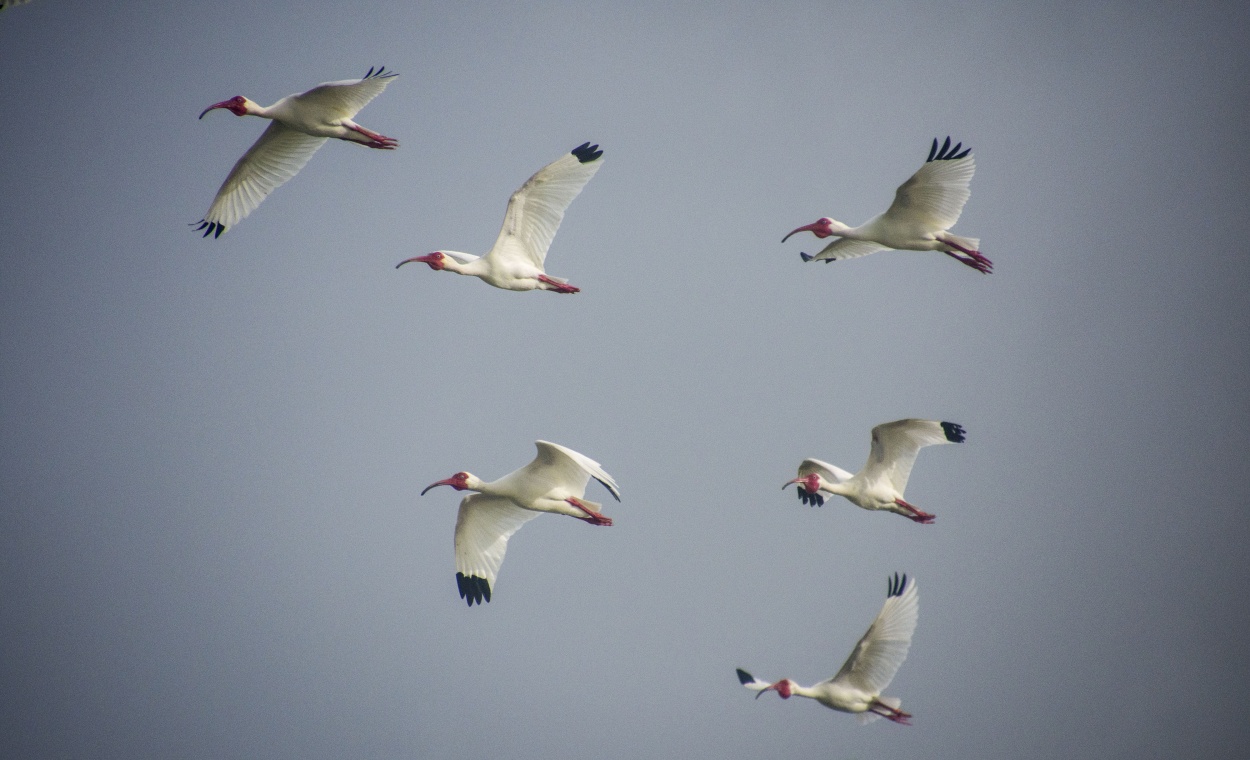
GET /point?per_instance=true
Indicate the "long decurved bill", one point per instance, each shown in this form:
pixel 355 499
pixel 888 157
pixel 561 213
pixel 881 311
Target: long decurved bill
pixel 222 104
pixel 446 482
pixel 805 228
pixel 792 482
pixel 426 259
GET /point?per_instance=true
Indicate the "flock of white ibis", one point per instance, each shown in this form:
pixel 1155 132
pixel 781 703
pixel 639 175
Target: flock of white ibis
pixel 925 207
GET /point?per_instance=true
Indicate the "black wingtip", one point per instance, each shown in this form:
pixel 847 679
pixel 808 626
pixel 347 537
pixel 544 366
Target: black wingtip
pixel 806 257
pixel 473 588
pixel 210 228
pixel 947 153
pixel 610 489
pixel 744 677
pixel 586 152
pixel 378 72
pixel 954 432
pixel 894 586
pixel 811 499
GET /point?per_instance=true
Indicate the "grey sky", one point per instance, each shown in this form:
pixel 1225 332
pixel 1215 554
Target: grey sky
pixel 211 542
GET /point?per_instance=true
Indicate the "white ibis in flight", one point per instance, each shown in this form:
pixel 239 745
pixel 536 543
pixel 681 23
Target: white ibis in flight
pixel 870 668
pixel 924 208
pixel 554 482
pixel 881 483
pixel 300 124
pixel 534 214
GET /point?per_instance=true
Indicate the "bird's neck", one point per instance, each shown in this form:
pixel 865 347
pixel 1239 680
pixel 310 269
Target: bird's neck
pixel 811 692
pixel 838 489
pixel 474 267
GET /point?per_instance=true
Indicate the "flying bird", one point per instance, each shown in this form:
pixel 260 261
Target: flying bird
pixel 534 214
pixel 925 207
pixel 554 482
pixel 870 668
pixel 300 124
pixel 881 483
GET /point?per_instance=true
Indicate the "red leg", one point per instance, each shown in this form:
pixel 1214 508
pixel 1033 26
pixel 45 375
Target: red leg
pixel 559 287
pixel 595 518
pixel 923 518
pixel 380 142
pixel 890 713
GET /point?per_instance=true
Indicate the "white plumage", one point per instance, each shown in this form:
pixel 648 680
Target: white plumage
pixel 880 484
pixel 301 124
pixel 857 686
pixel 535 210
pixel 925 207
pixel 554 482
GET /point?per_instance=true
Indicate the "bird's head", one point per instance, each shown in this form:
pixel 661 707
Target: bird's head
pixel 436 260
pixel 809 489
pixel 238 105
pixel 784 687
pixel 809 482
pixel 821 228
pixel 461 481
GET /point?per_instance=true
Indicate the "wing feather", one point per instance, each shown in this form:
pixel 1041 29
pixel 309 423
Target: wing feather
pixel 896 444
pixel 274 158
pixel 564 466
pixel 536 209
pixel 483 527
pixel 883 648
pixel 345 98
pixel 846 248
pixel 935 195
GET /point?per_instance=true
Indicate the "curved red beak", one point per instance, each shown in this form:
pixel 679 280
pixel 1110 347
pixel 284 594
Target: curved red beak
pixel 816 228
pixel 782 688
pixel 222 104
pixel 433 259
pixel 445 482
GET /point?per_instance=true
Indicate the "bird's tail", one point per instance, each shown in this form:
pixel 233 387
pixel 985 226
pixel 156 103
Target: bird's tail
pixel 971 244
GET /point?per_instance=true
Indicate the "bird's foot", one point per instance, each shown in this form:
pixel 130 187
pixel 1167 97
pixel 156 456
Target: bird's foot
pixel 924 518
pixel 890 713
pixel 594 518
pixel 972 259
pixel 557 286
pixel 377 141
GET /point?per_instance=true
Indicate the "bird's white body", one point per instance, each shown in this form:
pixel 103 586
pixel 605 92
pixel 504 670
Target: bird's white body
pixel 870 667
pixel 925 207
pixel 535 210
pixel 880 484
pixel 300 124
pixel 554 482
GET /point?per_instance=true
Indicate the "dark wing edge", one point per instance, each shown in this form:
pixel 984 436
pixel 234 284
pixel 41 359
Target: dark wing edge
pixel 380 73
pixel 947 153
pixel 473 588
pixel 586 152
pixel 954 432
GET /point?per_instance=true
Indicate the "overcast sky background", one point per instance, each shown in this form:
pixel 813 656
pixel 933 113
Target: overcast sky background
pixel 211 540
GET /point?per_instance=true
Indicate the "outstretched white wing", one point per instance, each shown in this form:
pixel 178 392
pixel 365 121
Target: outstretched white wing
pixel 846 248
pixel 273 159
pixel 483 527
pixel 345 98
pixel 829 472
pixel 878 655
pixel 896 444
pixel 935 195
pixel 749 681
pixel 537 207
pixel 561 466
